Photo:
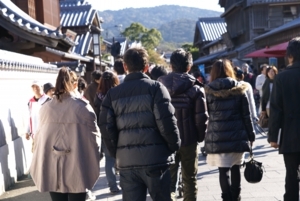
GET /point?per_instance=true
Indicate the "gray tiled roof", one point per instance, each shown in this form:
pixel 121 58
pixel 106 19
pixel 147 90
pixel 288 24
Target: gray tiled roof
pixel 74 16
pixel 10 12
pixel 67 3
pixel 211 28
pixel 83 41
pixel 287 26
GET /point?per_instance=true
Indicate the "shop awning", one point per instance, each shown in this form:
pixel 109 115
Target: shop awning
pixel 278 49
pixel 263 53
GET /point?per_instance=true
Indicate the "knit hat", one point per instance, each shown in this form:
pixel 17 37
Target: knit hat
pixel 47 87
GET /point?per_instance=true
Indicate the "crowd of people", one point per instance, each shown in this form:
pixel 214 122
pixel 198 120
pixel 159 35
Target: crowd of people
pixel 148 122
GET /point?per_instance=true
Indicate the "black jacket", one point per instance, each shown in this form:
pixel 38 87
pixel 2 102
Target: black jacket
pixel 285 110
pixel 188 98
pixel 138 124
pixel 230 125
pixel 266 93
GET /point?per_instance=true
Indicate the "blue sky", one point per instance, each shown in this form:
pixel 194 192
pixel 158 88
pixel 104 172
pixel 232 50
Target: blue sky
pixel 121 4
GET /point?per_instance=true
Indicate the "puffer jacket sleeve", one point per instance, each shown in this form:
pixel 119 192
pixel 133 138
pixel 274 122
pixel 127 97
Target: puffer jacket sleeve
pixel 247 118
pixel 165 118
pixel 201 114
pixel 108 127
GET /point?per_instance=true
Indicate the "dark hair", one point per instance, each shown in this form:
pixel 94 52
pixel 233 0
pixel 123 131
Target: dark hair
pixel 64 82
pixel 158 71
pixel 198 74
pixel 181 60
pixel 118 66
pixel 82 85
pixel 271 68
pixel 96 75
pixel 136 59
pixel 239 73
pixel 293 49
pixel 221 69
pixel 108 80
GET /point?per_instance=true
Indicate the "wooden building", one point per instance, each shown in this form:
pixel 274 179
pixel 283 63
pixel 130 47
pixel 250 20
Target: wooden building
pixel 248 19
pixel 208 39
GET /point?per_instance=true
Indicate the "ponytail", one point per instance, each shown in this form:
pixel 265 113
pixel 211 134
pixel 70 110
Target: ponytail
pixel 64 82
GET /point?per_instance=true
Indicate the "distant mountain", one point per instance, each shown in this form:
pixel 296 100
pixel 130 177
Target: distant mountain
pixel 176 23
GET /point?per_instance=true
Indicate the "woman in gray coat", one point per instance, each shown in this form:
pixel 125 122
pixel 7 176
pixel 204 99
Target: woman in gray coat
pixel 66 157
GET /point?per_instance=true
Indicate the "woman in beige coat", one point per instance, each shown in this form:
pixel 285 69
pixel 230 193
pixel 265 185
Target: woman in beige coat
pixel 66 154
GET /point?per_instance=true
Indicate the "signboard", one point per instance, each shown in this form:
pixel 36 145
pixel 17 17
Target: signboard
pixel 202 69
pixel 273 62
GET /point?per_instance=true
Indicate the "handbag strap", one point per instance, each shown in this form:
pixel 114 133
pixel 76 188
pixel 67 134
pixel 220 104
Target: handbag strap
pixel 251 152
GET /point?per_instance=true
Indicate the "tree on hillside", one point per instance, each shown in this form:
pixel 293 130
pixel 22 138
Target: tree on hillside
pixel 150 38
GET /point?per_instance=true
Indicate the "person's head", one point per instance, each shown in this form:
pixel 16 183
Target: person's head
pixel 158 71
pixel 239 74
pixel 136 60
pixel 49 89
pixel 293 50
pixel 271 72
pixel 118 66
pixel 264 68
pixel 96 75
pixel 199 76
pixel 66 82
pixel 221 69
pixel 108 80
pixel 245 67
pixel 181 61
pixel 82 85
pixel 36 89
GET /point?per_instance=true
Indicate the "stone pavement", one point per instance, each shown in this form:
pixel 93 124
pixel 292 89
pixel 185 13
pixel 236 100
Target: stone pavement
pixel 271 188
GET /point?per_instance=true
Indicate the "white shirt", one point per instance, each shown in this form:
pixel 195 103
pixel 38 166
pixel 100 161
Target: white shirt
pixel 260 80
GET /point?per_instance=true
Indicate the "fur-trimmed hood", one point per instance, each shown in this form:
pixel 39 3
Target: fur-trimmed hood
pixel 224 87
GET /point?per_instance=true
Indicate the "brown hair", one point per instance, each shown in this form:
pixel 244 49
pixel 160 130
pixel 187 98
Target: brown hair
pixel 64 82
pixel 108 80
pixel 271 68
pixel 220 69
pixel 136 59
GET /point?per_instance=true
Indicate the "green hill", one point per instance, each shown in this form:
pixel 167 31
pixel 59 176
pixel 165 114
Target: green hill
pixel 176 23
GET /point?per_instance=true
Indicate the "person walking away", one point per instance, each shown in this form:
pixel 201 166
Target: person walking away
pixel 81 86
pixel 248 77
pixel 249 92
pixel 139 129
pixel 158 71
pixel 48 89
pixel 108 80
pixel 230 132
pixel 33 108
pixel 119 69
pixel 188 98
pixel 259 82
pixel 267 89
pixel 91 90
pixel 65 156
pixel 284 126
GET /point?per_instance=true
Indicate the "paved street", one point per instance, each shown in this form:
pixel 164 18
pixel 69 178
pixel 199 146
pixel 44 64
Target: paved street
pixel 271 188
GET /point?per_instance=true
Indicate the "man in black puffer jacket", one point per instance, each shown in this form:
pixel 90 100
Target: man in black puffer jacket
pixel 139 129
pixel 188 98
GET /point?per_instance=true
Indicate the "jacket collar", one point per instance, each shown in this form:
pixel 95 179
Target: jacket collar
pixel 136 76
pixel 294 65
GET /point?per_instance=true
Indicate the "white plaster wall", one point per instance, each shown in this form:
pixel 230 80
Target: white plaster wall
pixel 15 150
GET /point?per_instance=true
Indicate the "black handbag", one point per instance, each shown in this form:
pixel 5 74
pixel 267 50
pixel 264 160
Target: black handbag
pixel 253 170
